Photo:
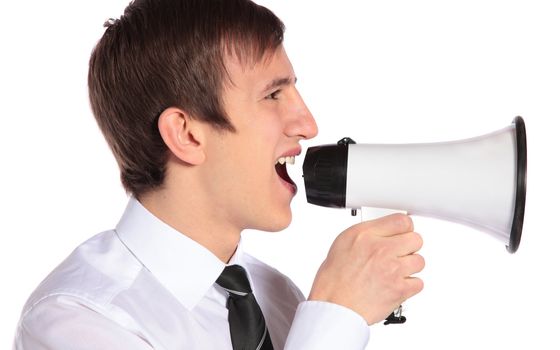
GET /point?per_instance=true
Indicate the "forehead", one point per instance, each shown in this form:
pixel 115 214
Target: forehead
pixel 274 65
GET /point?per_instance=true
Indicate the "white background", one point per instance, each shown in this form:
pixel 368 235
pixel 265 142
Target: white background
pixel 378 71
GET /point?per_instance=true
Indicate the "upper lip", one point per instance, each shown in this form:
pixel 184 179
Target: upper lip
pixel 296 151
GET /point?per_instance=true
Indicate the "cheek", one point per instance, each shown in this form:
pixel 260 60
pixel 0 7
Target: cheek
pixel 259 165
pixel 255 147
pixel 250 164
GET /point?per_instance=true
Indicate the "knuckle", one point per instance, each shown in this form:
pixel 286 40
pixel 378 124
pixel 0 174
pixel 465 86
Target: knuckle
pixel 361 240
pixel 366 247
pixel 392 269
pixel 378 254
pixel 384 248
pixel 359 232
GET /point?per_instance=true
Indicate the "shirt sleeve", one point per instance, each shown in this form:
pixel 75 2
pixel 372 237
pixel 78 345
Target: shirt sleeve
pixel 324 325
pixel 67 325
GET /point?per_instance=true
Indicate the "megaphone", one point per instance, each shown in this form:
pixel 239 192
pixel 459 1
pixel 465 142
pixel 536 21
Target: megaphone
pixel 479 182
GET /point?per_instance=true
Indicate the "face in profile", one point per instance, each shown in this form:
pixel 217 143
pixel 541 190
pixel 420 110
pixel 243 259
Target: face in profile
pixel 248 167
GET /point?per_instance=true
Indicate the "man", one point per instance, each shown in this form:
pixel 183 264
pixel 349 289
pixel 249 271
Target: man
pixel 197 100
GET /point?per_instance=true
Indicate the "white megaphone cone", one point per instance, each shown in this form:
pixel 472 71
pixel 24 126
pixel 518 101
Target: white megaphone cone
pixel 479 182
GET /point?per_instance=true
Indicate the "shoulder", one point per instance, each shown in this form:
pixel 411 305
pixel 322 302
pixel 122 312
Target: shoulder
pixel 95 272
pixel 78 297
pixel 66 322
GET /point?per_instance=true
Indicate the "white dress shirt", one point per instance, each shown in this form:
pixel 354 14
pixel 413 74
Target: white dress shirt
pixel 146 286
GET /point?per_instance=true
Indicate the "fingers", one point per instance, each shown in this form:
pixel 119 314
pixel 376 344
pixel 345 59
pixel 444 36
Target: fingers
pixel 414 286
pixel 407 243
pixel 374 261
pixel 390 225
pixel 411 264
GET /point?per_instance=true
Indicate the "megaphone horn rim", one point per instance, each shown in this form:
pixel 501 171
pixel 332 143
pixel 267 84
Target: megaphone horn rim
pixel 521 185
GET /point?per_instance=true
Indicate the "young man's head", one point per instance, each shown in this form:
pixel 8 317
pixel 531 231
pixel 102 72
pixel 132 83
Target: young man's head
pixel 199 96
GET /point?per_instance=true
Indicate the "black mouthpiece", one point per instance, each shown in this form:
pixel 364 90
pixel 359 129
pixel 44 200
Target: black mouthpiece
pixel 324 174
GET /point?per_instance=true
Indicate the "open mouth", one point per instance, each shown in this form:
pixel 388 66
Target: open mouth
pixel 282 171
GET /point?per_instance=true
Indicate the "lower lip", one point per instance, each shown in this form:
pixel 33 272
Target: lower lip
pixel 291 187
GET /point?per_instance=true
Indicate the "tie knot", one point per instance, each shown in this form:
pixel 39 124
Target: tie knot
pixel 234 280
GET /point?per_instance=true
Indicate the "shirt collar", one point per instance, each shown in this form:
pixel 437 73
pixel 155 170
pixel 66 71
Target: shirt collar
pixel 186 268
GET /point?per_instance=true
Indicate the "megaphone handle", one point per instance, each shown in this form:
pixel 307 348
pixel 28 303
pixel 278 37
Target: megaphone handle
pixel 396 317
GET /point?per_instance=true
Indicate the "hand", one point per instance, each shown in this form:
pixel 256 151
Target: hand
pixel 369 265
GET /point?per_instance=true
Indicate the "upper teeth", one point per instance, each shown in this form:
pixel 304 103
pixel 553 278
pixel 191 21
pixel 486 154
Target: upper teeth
pixel 287 160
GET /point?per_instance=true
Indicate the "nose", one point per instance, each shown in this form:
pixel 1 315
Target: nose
pixel 301 123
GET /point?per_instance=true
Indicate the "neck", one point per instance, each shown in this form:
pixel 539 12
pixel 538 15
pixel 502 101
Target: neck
pixel 195 220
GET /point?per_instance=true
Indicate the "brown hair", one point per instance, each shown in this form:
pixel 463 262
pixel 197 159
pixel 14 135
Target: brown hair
pixel 169 53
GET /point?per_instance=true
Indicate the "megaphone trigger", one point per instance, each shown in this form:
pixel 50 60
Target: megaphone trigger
pixel 395 317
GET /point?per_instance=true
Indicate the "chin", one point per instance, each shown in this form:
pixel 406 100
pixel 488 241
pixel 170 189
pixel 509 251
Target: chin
pixel 277 223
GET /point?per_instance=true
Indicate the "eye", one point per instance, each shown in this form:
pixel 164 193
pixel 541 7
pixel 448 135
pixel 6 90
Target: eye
pixel 273 96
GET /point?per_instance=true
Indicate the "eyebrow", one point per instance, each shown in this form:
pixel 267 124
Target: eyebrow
pixel 279 82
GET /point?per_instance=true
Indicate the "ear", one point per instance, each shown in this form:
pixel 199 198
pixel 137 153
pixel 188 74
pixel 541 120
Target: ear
pixel 182 135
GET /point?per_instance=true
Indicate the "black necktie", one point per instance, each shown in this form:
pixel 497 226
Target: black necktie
pixel 246 322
